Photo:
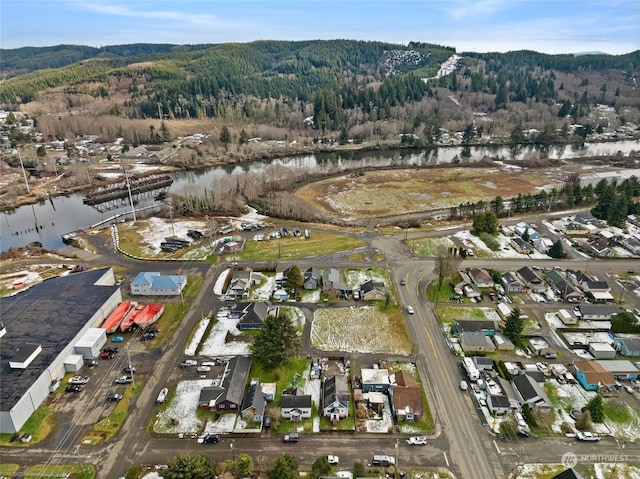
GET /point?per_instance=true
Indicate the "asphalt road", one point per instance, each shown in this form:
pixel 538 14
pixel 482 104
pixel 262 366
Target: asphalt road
pixel 461 442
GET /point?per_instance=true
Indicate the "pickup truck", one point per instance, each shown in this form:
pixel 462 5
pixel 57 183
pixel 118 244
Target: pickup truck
pixel 417 441
pixel 188 363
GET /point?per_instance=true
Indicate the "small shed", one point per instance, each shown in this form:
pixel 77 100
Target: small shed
pixel 269 391
pixel 502 343
pixel 602 350
pixel 566 316
pixel 504 311
pixel 91 342
pixel 73 363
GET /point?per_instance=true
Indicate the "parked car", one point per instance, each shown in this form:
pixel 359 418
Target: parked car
pixel 267 422
pixel 162 397
pixel 587 436
pixel 90 363
pixel 188 363
pixel 123 380
pixel 73 388
pixel 333 460
pixel 203 369
pixel 114 397
pixel 110 350
pixel 575 414
pixel 105 355
pixel 148 336
pixel 417 440
pixel 129 369
pixel 117 339
pixel 463 385
pixel 293 437
pixel 208 439
pixel 79 380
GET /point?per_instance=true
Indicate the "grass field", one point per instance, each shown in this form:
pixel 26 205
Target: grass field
pixel 319 244
pixel 392 192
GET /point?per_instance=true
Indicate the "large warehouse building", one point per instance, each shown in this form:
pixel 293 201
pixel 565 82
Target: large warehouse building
pixel 43 331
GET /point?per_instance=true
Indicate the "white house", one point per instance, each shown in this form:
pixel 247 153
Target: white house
pixel 154 284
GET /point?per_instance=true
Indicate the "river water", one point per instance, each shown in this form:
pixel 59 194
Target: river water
pixel 47 221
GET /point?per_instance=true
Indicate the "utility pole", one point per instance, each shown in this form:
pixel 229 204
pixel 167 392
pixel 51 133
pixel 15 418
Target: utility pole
pixel 24 173
pixel 133 210
pixel 133 381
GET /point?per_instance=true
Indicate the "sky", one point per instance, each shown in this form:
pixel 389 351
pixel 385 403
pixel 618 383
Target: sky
pixel 557 26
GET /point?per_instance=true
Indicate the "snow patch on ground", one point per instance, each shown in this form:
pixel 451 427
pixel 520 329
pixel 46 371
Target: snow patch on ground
pixel 506 251
pixel 385 423
pixel 220 282
pixel 182 409
pixel 192 347
pixel 263 292
pixel 216 345
pixel 226 423
pixel 600 471
pixel 158 229
pixel 355 277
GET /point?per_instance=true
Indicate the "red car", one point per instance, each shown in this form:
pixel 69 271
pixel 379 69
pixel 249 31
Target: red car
pixel 105 355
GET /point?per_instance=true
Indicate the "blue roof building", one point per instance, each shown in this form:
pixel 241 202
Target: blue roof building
pixel 154 284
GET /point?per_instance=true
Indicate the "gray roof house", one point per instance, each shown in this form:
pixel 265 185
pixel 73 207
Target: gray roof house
pixel 311 278
pixel 373 290
pixel 233 384
pixel 241 281
pixel 511 283
pixel 528 391
pixel 295 407
pixel 252 314
pixel 254 403
pixel 335 397
pixel 476 341
pixel 627 346
pixel 595 312
pixel 531 279
pixel 332 281
pixel 481 277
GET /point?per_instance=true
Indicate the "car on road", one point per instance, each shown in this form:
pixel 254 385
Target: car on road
pixel 188 363
pixel 410 309
pixel 73 388
pixel 417 440
pixel 117 339
pixel 333 460
pixel 587 436
pixel 208 439
pixel 403 282
pixel 80 380
pixel 114 397
pixel 129 369
pixel 203 369
pixel 123 380
pixel 293 437
pixel 105 355
pixel 463 385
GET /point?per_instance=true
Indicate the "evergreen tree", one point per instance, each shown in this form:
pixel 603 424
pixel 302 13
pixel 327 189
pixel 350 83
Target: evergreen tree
pixel 320 467
pixel 243 138
pixel 514 325
pixel 225 136
pixel 583 423
pixel 294 279
pixel 285 467
pixel 190 466
pixel 497 204
pixel 556 250
pixel 41 151
pixel 596 408
pixel 276 342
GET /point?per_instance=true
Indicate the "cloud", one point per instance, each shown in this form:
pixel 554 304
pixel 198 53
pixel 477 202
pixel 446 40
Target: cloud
pixel 461 9
pixel 200 19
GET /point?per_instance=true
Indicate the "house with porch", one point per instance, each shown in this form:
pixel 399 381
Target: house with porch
pixel 511 283
pixel 311 278
pixel 241 282
pixel 406 397
pixel 528 391
pixel 295 407
pixel 567 291
pixel 481 277
pixel 373 290
pixel 521 246
pixel 335 397
pixel 531 280
pixel 229 395
pixel 251 315
pixel 332 282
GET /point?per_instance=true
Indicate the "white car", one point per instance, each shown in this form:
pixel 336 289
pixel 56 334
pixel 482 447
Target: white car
pixel 203 369
pixel 79 380
pixel 162 397
pixel 333 460
pixel 586 436
pixel 410 309
pixel 417 441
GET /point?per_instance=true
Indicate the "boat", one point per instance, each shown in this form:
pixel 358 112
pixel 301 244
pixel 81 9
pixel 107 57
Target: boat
pixel 134 185
pixel 128 321
pixel 115 318
pixel 149 315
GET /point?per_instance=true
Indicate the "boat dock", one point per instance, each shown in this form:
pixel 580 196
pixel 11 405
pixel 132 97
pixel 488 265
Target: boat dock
pixel 120 189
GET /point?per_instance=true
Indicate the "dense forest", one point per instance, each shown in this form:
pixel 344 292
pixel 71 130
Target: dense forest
pixel 350 89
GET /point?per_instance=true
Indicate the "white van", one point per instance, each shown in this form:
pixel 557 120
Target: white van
pixel 382 461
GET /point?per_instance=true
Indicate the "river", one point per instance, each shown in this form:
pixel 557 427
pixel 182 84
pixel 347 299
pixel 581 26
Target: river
pixel 47 221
